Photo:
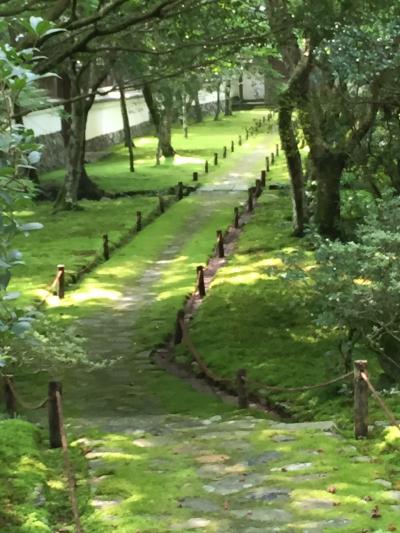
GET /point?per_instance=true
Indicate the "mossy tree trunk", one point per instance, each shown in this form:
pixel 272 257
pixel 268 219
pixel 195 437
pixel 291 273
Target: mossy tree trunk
pixel 128 141
pixel 198 112
pixel 218 104
pixel 228 99
pixel 77 184
pixel 293 158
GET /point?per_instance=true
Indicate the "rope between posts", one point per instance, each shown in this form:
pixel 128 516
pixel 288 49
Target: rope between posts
pixel 68 467
pixel 390 415
pixel 25 405
pixel 50 287
pixel 208 373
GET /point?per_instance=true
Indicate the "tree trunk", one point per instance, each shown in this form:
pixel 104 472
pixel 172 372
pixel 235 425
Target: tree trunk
pixel 228 99
pixel 218 106
pixel 165 133
pixel 127 127
pixel 184 108
pixel 327 170
pixel 293 158
pixel 151 105
pixel 198 112
pixel 77 184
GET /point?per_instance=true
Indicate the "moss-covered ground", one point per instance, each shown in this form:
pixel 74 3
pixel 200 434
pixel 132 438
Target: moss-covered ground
pixel 163 457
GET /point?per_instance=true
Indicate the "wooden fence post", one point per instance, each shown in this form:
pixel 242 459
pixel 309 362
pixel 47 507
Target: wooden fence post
pixel 220 244
pixel 240 140
pixel 180 190
pixel 232 146
pixel 258 191
pixel 61 281
pixel 9 398
pixel 247 134
pixel 178 328
pixel 277 150
pixel 272 158
pixel 161 204
pixel 267 163
pixel 236 217
pixel 138 221
pixel 215 159
pixel 243 399
pixel 195 176
pixel 250 205
pixel 263 178
pixel 200 281
pixel 54 415
pixel 263 119
pixel 185 131
pixel 360 400
pixel 224 152
pixel 106 247
pixel 206 167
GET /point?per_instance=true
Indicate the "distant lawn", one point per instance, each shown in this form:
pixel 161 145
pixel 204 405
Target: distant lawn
pixel 112 173
pixel 72 238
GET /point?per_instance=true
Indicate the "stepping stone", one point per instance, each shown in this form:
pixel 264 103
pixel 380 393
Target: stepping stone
pixel 266 494
pixel 308 477
pixel 320 527
pixel 209 459
pixel 362 459
pixel 393 495
pixel 216 418
pixel 328 426
pixel 274 516
pixel 105 504
pixel 200 505
pixel 292 468
pixel 193 523
pixel 264 458
pixel 311 504
pixel 232 484
pixel 219 470
pixel 384 483
pixel 282 438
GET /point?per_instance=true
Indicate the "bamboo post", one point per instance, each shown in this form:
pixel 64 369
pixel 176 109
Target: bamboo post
pixel 263 178
pixel 243 399
pixel 258 190
pixel 240 140
pixel 138 221
pixel 161 204
pixel 215 159
pixel 206 167
pixel 236 217
pixel 9 397
pixel 61 281
pixel 250 205
pixel 200 281
pixel 220 244
pixel 195 176
pixel 54 415
pixel 232 146
pixel 106 247
pixel 178 328
pixel 180 190
pixel 267 163
pixel 272 158
pixel 277 150
pixel 360 400
pixel 224 152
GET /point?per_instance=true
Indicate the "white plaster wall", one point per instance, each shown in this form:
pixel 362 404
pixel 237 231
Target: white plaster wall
pixel 44 122
pixel 253 87
pixel 105 115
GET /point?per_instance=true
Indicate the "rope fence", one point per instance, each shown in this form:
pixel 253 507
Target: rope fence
pixel 57 432
pixel 242 385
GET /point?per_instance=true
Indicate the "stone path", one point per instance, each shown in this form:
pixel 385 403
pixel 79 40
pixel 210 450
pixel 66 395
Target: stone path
pixel 242 474
pixel 153 471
